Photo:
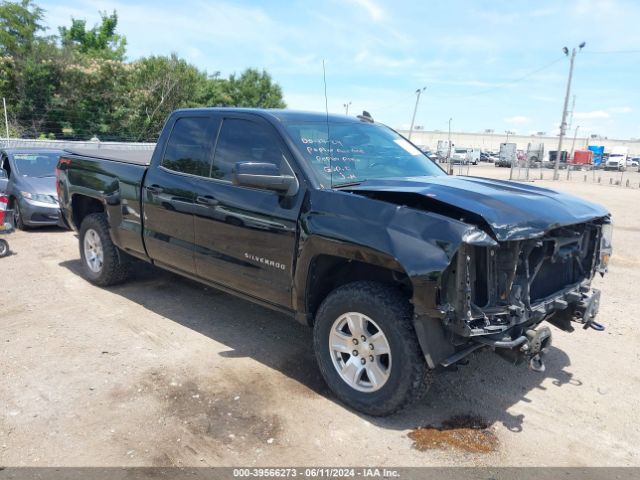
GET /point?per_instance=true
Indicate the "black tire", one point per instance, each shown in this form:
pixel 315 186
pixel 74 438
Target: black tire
pixel 17 217
pixel 4 248
pixel 409 378
pixel 115 264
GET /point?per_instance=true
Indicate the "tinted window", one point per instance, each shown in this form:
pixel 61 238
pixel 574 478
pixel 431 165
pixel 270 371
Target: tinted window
pixel 244 141
pixel 189 146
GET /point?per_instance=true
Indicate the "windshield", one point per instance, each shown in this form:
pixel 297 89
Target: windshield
pixel 356 152
pixel 36 164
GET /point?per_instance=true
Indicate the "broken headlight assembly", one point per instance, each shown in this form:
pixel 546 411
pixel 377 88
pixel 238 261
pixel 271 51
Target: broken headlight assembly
pixel 606 248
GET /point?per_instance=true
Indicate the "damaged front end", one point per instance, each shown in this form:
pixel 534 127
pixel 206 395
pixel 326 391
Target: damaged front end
pixel 496 294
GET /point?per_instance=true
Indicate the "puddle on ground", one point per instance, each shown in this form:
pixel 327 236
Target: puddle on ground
pixel 462 432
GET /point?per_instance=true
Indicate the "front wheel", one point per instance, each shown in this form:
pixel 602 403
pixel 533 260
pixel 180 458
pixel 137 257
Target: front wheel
pixel 367 349
pixel 4 248
pixel 18 219
pixel 102 262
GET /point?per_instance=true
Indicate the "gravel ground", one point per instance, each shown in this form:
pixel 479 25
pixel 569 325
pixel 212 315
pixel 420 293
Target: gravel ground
pixel 162 371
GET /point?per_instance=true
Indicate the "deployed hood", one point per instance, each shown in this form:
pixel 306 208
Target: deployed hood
pixel 512 211
pixel 42 185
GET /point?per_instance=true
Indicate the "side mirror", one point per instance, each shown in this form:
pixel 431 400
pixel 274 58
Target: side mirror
pixel 264 175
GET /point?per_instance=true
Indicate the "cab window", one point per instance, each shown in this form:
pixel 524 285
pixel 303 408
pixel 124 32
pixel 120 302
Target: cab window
pixel 189 148
pixel 242 140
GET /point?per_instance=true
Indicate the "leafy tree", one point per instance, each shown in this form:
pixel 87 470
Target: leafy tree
pixel 89 98
pixel 161 84
pixel 28 65
pixel 100 41
pixel 254 89
pixel 78 85
pixel 19 24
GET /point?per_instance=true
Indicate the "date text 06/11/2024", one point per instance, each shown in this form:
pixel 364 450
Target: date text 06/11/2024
pixel 316 472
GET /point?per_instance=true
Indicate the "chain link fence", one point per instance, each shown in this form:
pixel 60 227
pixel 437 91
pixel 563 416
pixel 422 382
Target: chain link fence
pixel 531 171
pixel 71 144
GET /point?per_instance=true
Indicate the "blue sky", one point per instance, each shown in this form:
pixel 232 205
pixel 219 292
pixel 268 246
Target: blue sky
pixel 487 64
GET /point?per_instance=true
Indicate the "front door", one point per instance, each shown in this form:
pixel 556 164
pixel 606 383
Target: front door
pixel 245 237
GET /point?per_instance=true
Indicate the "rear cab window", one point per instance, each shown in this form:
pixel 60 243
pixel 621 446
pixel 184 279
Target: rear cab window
pixel 190 146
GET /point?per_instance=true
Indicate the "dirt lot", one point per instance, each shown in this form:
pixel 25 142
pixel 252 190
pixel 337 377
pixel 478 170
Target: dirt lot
pixel 162 371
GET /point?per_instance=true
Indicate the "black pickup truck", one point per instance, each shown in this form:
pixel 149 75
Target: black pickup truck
pixel 342 223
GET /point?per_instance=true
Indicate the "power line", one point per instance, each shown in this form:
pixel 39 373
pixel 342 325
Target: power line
pixel 510 82
pixel 611 52
pixel 398 104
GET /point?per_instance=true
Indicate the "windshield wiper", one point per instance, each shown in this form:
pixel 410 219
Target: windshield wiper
pixel 46 176
pixel 350 184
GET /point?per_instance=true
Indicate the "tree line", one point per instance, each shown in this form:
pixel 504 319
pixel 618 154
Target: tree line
pixel 78 84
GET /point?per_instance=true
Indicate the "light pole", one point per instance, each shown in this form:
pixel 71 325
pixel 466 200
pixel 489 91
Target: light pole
pixel 415 110
pixel 563 124
pixel 508 132
pixel 346 107
pixel 489 131
pixel 6 120
pixel 449 147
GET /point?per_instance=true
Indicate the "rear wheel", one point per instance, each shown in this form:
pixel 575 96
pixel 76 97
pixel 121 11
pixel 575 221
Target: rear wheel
pixel 103 263
pixel 367 349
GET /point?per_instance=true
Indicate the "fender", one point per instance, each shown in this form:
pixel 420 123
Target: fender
pixel 418 245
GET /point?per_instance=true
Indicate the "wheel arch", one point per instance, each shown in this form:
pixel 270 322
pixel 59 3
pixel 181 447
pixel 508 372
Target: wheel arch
pixel 327 272
pixel 329 265
pixel 83 205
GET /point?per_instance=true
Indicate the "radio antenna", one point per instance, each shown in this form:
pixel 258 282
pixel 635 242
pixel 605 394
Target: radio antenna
pixel 326 109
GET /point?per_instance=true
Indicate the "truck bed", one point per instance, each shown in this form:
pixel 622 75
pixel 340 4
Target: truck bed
pixel 136 157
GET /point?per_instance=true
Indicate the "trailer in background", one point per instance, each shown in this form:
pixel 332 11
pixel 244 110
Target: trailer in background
pixel 551 161
pixel 535 154
pixel 507 156
pixel 598 155
pixel 582 159
pixel 443 150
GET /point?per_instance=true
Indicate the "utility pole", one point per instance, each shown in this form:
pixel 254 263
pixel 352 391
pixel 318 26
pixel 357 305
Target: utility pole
pixel 346 107
pixel 563 123
pixel 573 107
pixel 6 120
pixel 573 144
pixel 415 110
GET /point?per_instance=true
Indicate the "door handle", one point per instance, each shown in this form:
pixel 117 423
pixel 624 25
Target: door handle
pixel 154 189
pixel 207 200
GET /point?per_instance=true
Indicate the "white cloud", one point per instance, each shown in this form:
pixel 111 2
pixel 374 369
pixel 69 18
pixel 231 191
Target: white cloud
pixel 517 119
pixel 620 109
pixel 383 61
pixel 592 114
pixel 373 10
pixel 467 42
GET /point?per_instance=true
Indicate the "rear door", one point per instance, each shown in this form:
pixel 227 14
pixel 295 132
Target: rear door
pixel 245 237
pixel 169 191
